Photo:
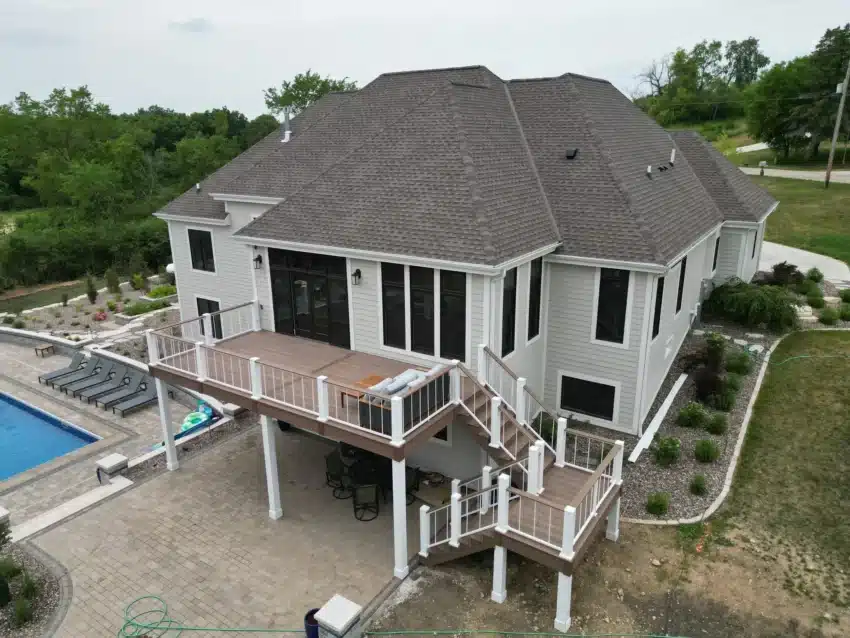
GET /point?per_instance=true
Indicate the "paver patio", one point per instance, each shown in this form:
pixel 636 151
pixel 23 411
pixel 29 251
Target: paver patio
pixel 201 538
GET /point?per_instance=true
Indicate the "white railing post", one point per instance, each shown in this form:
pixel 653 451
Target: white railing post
pixel 502 521
pixel 200 360
pixel 541 465
pixel 617 474
pixel 397 424
pixel 322 394
pixel 568 540
pixel 153 353
pixel 455 520
pixel 561 443
pixel 455 486
pixel 486 484
pixel 520 400
pixel 533 469
pixel 255 315
pixel 496 422
pixel 482 363
pixel 424 531
pixel 454 378
pixel 256 378
pixel 206 328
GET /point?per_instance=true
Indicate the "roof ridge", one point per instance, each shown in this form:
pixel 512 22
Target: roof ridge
pixel 469 172
pixel 437 70
pixel 569 74
pixel 592 131
pixel 531 161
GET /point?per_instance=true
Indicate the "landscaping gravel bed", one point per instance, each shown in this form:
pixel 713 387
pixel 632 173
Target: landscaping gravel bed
pixel 645 476
pixel 46 603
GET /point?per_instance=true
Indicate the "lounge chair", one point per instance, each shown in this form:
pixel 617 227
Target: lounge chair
pixel 116 378
pixel 136 402
pixel 135 383
pixel 93 367
pixel 100 376
pixel 77 362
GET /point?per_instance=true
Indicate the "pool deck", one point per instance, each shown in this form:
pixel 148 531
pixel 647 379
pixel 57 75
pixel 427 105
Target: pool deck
pixel 48 485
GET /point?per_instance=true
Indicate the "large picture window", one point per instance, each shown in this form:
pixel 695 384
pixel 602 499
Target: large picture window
pixel 612 305
pixel 201 250
pixel 422 310
pixel 452 315
pixel 535 291
pixel 587 397
pixel 509 313
pixel 681 293
pixel 659 302
pixel 392 296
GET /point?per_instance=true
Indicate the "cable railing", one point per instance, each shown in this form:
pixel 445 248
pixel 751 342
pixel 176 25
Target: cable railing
pixel 499 376
pixel 292 389
pixel 589 499
pixel 225 368
pixel 536 518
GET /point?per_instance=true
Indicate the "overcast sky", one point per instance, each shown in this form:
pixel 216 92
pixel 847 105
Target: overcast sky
pixel 197 54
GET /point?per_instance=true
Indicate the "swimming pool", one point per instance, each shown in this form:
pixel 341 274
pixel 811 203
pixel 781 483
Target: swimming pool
pixel 30 436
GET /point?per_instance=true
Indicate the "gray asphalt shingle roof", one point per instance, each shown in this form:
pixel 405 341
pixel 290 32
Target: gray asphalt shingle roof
pixel 457 164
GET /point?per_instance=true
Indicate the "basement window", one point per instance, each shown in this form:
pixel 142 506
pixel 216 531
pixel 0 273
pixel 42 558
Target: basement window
pixel 586 397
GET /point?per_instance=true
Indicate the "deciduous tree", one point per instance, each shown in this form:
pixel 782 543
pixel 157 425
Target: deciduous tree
pixel 303 90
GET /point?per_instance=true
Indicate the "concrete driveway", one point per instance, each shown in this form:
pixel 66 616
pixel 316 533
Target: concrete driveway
pixel 200 538
pixel 841 177
pixel 834 270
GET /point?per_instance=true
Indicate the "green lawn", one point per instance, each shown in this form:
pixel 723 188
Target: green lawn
pixel 793 480
pixel 810 216
pixel 796 162
pixel 43 297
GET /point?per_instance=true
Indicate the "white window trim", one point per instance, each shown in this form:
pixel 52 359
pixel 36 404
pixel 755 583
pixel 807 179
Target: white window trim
pixel 597 278
pixel 594 420
pixel 528 341
pixel 206 298
pixel 213 272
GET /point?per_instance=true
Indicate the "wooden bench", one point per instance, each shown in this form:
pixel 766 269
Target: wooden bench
pixel 43 349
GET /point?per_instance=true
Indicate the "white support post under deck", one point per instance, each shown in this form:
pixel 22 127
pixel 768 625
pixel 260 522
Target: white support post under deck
pixel 164 401
pixel 565 594
pixel 500 574
pixel 270 456
pixel 399 519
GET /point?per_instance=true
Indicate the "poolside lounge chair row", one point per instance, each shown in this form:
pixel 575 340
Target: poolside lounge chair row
pixel 107 383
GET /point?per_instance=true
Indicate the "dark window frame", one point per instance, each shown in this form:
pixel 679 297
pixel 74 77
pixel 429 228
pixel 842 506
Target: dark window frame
pixel 509 312
pixel 659 304
pixel 204 259
pixel 612 314
pixel 716 252
pixel 391 284
pixel 755 243
pixel 452 326
pixel 683 268
pixel 215 315
pixel 421 286
pixel 583 393
pixel 535 297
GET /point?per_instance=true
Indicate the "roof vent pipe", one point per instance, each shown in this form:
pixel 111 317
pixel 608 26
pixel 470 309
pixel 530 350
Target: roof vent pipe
pixel 197 187
pixel 286 131
pixel 672 157
pixel 649 170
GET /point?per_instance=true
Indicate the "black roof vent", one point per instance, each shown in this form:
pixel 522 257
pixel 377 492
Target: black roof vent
pixel 572 153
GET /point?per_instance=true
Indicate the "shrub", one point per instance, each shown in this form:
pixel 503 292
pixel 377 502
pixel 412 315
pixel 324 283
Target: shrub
pixel 64 299
pixel 164 290
pixel 715 348
pixel 141 307
pixel 707 382
pixel 667 451
pixel 127 300
pixel 8 567
pixel 137 264
pixel 23 611
pixel 111 305
pixel 75 323
pixel 8 319
pixel 844 312
pixel 751 305
pixel 828 316
pixel 5 535
pixel 20 324
pixel 5 594
pixel 91 289
pixel 29 587
pixel 739 362
pixel 815 301
pixel 723 400
pixel 808 287
pixel 706 451
pixel 698 485
pixel 658 503
pixel 785 274
pixel 716 423
pixel 813 274
pixel 693 415
pixel 112 283
pixel 845 295
pixel 99 316
pixel 139 282
pixel 733 381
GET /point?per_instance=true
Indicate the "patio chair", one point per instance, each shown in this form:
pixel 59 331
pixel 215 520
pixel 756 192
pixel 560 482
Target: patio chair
pixel 78 361
pixel 117 379
pixel 366 505
pixel 412 478
pixel 92 368
pixel 136 402
pixel 336 476
pixel 134 384
pixel 101 376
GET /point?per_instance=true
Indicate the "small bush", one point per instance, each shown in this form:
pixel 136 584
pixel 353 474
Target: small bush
pixel 828 316
pixel 127 300
pixel 64 299
pixel 733 381
pixel 667 451
pixel 739 362
pixel 8 319
pixel 111 305
pixel 91 289
pixel 723 400
pixel 717 423
pixel 141 307
pixel 139 282
pixel 658 503
pixel 753 306
pixel 165 290
pixel 844 312
pixel 8 567
pixel 20 324
pixel 845 295
pixel 112 283
pixel 137 264
pixel 693 415
pixel 813 274
pixel 48 325
pixel 785 274
pixel 808 287
pixel 23 611
pixel 75 323
pixel 715 348
pixel 706 451
pixel 698 485
pixel 815 301
pixel 29 587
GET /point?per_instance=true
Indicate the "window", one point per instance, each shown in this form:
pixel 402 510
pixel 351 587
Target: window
pixel 755 242
pixel 509 312
pixel 209 306
pixel 612 304
pixel 422 310
pixel 535 289
pixel 716 251
pixel 392 295
pixel 452 315
pixel 587 397
pixel 201 250
pixel 659 301
pixel 681 292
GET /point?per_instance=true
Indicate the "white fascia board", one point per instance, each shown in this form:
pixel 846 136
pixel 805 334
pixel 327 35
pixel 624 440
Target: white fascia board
pixel 638 266
pixel 206 221
pixel 525 258
pixel 769 212
pixel 247 199
pixel 702 238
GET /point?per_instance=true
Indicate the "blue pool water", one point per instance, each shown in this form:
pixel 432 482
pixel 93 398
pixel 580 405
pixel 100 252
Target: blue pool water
pixel 30 437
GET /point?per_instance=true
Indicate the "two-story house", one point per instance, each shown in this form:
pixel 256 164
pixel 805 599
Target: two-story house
pixel 524 251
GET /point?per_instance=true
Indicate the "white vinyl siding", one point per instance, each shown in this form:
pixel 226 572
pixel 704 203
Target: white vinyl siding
pixel 463 459
pixel 732 247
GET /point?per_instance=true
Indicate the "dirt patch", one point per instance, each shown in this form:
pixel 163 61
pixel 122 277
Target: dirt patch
pixel 23 292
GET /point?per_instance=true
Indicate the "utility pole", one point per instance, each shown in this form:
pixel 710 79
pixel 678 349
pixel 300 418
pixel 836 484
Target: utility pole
pixel 837 124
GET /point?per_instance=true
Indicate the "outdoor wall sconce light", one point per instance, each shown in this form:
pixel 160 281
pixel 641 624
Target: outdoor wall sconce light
pixel 258 262
pixel 355 277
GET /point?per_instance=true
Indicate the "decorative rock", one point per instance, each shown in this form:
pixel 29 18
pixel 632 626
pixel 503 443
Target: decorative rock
pixel 808 319
pixel 740 342
pixel 727 337
pixel 698 333
pixel 754 335
pixel 832 301
pixel 756 348
pixel 231 409
pixel 655 562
